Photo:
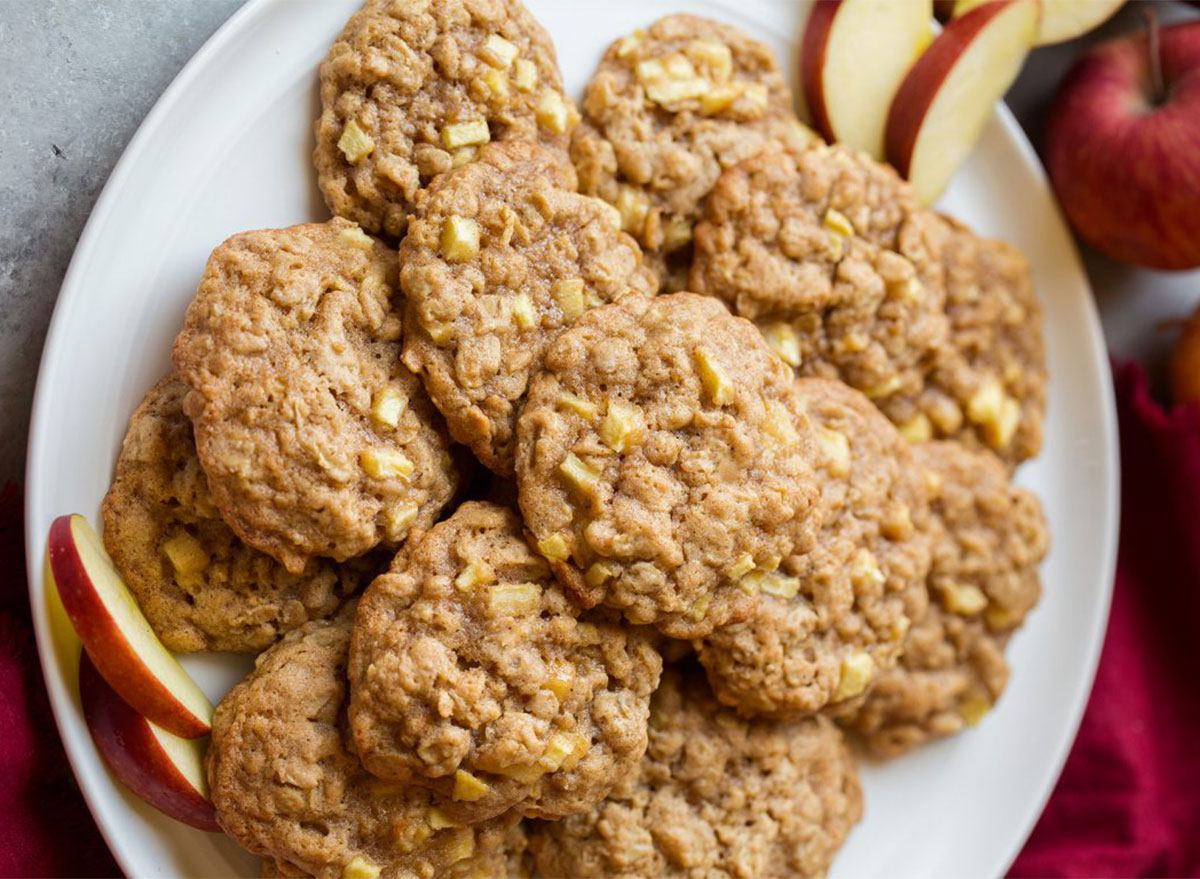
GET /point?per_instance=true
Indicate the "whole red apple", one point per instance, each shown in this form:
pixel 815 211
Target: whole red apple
pixel 1123 148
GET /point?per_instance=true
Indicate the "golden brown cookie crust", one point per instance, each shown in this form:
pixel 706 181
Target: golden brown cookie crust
pixel 988 386
pixel 316 440
pixel 835 616
pixel 501 256
pixel 198 585
pixel 287 788
pixel 716 796
pixel 473 673
pixel 658 464
pixel 411 87
pixel 830 254
pixel 989 538
pixel 667 110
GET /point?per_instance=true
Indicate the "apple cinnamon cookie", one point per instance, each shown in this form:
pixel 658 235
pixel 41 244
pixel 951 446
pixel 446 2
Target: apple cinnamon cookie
pixel 501 256
pixel 199 586
pixel 988 387
pixel 835 615
pixel 658 466
pixel 287 788
pixel 831 255
pixel 716 796
pixel 315 438
pixel 411 88
pixel 474 675
pixel 667 110
pixel 989 538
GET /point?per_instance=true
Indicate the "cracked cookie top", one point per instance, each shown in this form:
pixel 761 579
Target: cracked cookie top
pixel 316 439
pixel 473 673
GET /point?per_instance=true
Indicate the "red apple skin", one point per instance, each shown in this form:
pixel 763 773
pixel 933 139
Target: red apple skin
pixel 920 87
pixel 106 645
pixel 124 740
pixel 1126 171
pixel 812 62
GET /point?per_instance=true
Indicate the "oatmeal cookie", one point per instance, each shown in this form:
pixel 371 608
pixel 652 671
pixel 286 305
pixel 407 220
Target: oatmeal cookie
pixel 198 585
pixel 667 110
pixel 716 796
pixel 287 788
pixel 412 88
pixel 988 387
pixel 836 613
pixel 830 253
pixel 501 256
pixel 473 674
pixel 989 538
pixel 658 464
pixel 316 440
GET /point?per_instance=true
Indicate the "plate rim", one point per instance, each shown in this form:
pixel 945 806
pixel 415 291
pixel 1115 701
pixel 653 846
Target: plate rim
pixel 61 699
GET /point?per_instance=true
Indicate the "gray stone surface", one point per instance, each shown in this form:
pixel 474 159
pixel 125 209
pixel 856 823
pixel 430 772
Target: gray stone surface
pixel 77 76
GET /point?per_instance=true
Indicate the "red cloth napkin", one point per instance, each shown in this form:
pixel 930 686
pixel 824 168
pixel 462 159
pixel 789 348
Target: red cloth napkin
pixel 1128 801
pixel 45 827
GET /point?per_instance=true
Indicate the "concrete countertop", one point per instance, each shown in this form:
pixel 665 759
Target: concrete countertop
pixel 78 76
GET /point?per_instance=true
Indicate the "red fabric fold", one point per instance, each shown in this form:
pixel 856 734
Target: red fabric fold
pixel 1128 801
pixel 45 826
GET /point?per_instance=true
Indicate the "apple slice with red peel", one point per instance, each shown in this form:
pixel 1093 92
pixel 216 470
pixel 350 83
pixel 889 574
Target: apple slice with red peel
pixel 116 635
pixel 1061 20
pixel 159 767
pixel 941 107
pixel 853 56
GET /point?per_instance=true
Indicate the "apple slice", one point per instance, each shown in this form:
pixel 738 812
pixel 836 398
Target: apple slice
pixel 853 55
pixel 116 635
pixel 1061 19
pixel 161 768
pixel 948 95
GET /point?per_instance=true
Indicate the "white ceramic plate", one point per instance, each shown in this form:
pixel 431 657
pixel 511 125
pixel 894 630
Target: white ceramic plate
pixel 227 149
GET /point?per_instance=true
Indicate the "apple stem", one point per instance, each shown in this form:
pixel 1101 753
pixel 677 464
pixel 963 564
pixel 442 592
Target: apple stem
pixel 1152 46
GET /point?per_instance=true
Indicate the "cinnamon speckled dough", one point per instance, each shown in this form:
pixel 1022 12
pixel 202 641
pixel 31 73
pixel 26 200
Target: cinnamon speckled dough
pixel 472 673
pixel 658 464
pixel 831 254
pixel 287 788
pixel 989 538
pixel 988 388
pixel 667 110
pixel 198 585
pixel 717 796
pixel 403 73
pixel 477 324
pixel 836 614
pixel 317 441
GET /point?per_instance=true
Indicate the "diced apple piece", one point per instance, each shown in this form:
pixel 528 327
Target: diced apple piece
pixel 948 95
pixel 116 635
pixel 1062 20
pixel 159 767
pixel 854 54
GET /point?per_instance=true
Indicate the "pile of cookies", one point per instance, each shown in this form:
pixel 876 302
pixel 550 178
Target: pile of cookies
pixel 748 414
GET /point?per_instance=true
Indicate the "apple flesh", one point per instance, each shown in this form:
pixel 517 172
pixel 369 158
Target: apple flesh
pixel 853 55
pixel 1125 160
pixel 159 767
pixel 943 103
pixel 116 635
pixel 1061 20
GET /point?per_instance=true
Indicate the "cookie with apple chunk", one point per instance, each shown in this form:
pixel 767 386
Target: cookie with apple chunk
pixel 716 795
pixel 472 673
pixel 200 587
pixel 668 109
pixel 989 537
pixel 288 788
